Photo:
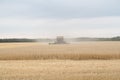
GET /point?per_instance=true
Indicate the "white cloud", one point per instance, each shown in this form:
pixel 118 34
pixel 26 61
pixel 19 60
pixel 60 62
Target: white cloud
pixel 59 22
pixel 101 26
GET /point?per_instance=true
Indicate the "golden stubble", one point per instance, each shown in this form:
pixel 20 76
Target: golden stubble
pixel 60 70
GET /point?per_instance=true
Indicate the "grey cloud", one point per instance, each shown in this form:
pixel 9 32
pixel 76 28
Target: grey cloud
pixel 59 8
pixel 60 17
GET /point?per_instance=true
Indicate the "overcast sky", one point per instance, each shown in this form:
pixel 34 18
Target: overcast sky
pixel 50 18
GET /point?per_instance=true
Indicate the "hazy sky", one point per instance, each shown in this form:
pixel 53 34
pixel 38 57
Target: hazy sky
pixel 49 18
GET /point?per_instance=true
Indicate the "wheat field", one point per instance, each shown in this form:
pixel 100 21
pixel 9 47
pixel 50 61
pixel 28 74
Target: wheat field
pixel 75 51
pixel 76 61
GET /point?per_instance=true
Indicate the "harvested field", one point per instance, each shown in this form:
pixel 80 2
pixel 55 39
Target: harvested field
pixel 60 70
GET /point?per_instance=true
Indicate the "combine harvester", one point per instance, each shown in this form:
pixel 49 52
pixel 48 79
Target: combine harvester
pixel 59 40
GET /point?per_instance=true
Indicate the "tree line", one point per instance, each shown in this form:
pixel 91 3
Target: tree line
pixel 17 40
pixel 98 39
pixel 50 40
